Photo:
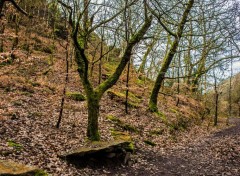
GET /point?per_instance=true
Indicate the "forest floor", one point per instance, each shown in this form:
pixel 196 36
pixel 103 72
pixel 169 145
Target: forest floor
pixel 30 95
pixel 216 154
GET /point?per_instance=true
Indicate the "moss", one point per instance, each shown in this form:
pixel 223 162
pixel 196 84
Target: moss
pixel 119 135
pixel 76 96
pixel 130 147
pixel 173 110
pixel 40 173
pixel 153 107
pixel 113 118
pixel 129 127
pixel 149 143
pixel 133 101
pixel 161 115
pixel 133 97
pixel 122 125
pixel 133 105
pixel 140 82
pixel 157 132
pixel 110 67
pixel 14 145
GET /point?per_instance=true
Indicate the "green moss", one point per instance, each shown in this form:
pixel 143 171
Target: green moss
pixel 129 127
pixel 14 145
pixel 110 67
pixel 140 82
pixel 119 135
pixel 122 125
pixel 173 110
pixel 149 143
pixel 40 173
pixel 161 115
pixel 157 132
pixel 133 105
pixel 130 147
pixel 133 101
pixel 133 97
pixel 76 96
pixel 153 107
pixel 113 118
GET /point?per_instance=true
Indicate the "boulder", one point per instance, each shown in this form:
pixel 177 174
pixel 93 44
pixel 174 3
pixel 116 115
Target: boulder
pixel 111 148
pixel 10 168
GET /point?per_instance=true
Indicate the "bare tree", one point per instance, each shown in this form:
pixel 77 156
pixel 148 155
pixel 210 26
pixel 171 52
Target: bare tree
pixel 94 95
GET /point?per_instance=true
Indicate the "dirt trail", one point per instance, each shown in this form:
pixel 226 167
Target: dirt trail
pixel 218 154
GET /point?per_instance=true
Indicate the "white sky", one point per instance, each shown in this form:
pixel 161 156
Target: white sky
pixel 236 67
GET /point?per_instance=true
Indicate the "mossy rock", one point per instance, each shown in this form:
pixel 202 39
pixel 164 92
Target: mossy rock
pixel 75 96
pixel 119 135
pixel 10 168
pixel 96 148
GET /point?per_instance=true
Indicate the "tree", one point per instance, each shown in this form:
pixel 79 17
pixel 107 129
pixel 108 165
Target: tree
pixel 94 95
pixel 168 58
pixel 2 26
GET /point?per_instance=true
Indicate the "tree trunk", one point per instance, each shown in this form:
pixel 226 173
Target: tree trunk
pixel 142 66
pixel 168 59
pixel 1 7
pixel 238 109
pixel 216 109
pixel 93 114
pixel 2 28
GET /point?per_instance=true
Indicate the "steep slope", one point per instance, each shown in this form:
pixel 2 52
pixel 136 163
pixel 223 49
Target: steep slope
pixel 31 87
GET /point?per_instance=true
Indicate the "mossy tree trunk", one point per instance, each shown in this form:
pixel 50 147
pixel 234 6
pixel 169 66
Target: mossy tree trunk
pixel 93 114
pixel 94 95
pixel 168 58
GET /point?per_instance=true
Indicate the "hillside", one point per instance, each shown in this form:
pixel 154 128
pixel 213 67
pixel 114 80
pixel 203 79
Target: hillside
pixel 179 139
pixel 226 95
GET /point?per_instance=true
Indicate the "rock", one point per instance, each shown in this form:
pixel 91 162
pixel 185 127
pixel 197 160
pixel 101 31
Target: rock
pixel 10 168
pixel 96 148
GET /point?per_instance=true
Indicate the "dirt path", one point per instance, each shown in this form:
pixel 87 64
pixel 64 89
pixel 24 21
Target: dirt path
pixel 219 154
